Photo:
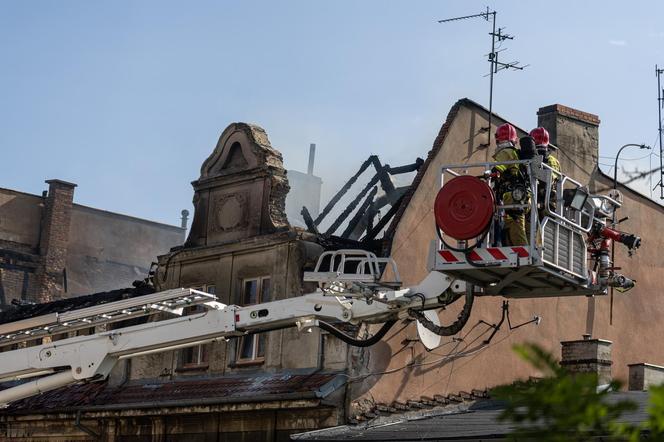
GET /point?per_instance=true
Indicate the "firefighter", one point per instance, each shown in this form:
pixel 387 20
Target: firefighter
pixel 541 137
pixel 509 185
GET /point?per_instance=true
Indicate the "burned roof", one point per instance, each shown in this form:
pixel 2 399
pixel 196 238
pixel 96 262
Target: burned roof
pixel 358 217
pixel 13 313
pixel 210 390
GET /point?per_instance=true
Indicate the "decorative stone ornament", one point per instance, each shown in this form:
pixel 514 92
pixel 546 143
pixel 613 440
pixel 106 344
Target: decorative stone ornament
pixel 242 189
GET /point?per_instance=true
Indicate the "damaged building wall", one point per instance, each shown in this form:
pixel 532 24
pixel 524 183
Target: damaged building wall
pixel 242 249
pixel 52 248
pixel 20 222
pixel 108 250
pixel 240 235
pixel 463 362
pixel 279 257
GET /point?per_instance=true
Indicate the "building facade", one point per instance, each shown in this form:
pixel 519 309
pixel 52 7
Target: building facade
pixel 53 248
pixel 465 362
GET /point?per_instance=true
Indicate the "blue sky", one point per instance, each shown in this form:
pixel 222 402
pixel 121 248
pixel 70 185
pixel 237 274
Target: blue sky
pixel 127 98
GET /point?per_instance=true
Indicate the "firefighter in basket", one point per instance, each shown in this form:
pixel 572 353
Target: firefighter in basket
pixel 510 186
pixel 541 138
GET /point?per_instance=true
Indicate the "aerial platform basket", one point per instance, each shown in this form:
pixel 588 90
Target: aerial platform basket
pixel 555 260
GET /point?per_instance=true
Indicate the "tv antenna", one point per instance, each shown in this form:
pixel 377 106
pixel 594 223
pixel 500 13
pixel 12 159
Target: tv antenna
pixel 660 104
pixel 497 36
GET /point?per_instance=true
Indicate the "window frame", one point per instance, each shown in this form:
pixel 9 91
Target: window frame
pixel 201 352
pixel 258 340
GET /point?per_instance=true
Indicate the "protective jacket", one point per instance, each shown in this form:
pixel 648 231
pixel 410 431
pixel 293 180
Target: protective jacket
pixel 510 176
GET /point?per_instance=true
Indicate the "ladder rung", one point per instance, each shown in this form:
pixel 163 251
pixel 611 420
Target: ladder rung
pixel 54 323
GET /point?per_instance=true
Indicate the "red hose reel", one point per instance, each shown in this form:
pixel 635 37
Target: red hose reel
pixel 464 207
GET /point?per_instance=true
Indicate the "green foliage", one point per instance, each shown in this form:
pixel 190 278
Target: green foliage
pixel 653 426
pixel 563 407
pixel 655 421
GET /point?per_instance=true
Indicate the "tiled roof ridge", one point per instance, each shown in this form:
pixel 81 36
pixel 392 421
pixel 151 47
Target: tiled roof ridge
pixel 423 403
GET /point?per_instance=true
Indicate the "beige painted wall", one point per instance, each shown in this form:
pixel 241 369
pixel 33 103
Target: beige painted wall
pixel 413 372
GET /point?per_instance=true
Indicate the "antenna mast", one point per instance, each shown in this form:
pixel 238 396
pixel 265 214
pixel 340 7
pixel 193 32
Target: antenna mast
pixel 495 65
pixel 660 104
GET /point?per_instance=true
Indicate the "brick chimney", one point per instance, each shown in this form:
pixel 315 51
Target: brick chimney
pixel 576 134
pixel 588 356
pixel 54 240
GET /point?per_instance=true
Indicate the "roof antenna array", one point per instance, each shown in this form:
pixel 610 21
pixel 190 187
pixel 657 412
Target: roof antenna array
pixel 660 104
pixel 497 36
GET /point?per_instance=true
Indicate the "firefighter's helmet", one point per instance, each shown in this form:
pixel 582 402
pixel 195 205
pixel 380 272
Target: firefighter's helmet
pixel 541 136
pixel 506 132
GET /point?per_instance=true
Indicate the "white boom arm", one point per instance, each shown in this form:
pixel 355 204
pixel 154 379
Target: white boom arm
pixel 90 357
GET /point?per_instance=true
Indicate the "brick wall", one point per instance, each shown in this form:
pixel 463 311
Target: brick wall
pixel 54 240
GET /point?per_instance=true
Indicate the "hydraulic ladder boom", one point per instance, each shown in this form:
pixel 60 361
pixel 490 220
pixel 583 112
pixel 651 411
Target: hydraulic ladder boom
pixel 93 356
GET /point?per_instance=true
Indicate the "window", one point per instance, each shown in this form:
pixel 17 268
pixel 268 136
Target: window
pixel 197 356
pixel 251 348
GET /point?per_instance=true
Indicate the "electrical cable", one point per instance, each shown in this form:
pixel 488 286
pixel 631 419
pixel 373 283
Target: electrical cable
pixel 450 356
pixel 354 341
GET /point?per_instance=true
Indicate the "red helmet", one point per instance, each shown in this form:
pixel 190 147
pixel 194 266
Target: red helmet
pixel 541 136
pixel 506 132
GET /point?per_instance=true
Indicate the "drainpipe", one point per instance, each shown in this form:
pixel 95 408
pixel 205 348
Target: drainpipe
pixel 83 428
pixel 321 350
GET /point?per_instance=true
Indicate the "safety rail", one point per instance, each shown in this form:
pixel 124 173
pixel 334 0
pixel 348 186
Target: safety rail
pixel 560 213
pixel 348 266
pixel 537 174
pixel 581 219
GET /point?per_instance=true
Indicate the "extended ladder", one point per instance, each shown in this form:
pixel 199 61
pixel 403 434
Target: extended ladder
pixel 171 301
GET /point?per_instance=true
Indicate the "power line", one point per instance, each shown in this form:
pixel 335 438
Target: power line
pixel 629 159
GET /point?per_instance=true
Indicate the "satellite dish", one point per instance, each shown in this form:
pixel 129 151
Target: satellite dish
pixel 428 338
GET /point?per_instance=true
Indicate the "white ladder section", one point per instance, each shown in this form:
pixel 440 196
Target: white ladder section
pixel 172 301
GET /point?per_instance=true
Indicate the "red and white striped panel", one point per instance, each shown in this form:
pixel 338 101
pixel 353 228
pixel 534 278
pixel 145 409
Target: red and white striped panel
pixel 479 255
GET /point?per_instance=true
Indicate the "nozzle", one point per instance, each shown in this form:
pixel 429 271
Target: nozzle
pixel 631 241
pixel 621 282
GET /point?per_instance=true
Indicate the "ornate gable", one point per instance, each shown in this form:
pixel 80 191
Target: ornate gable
pixel 242 189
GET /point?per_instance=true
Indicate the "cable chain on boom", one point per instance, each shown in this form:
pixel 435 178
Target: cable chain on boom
pixel 447 330
pixel 354 341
